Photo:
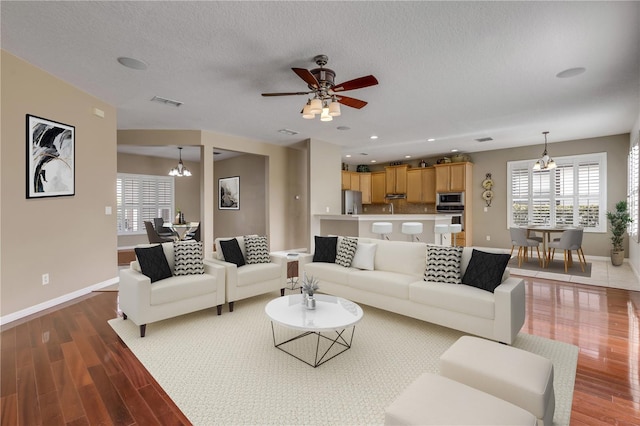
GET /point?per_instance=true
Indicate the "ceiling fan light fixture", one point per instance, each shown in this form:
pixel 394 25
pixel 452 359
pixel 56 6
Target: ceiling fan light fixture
pixel 325 115
pixel 306 112
pixel 316 106
pixel 334 108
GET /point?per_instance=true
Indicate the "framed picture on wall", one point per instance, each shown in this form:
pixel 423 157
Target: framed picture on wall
pixel 229 193
pixel 51 167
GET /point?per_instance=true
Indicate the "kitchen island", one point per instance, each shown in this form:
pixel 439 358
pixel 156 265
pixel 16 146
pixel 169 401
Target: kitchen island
pixel 360 225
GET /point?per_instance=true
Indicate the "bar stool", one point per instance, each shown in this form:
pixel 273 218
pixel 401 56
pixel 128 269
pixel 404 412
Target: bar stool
pixel 455 229
pixel 442 230
pixel 412 229
pixel 382 228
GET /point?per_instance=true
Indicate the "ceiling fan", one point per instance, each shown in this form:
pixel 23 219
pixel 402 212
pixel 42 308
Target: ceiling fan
pixel 327 95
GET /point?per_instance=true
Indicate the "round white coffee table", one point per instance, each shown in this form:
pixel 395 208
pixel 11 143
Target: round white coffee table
pixel 332 316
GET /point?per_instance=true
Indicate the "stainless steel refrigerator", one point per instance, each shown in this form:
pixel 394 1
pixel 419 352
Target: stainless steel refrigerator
pixel 351 202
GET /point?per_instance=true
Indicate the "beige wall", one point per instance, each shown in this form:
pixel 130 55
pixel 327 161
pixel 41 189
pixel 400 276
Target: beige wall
pixel 634 246
pixel 325 182
pixel 187 189
pixel 494 221
pixel 251 217
pixel 70 238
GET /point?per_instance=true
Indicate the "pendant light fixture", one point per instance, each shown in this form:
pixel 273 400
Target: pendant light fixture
pixel 180 169
pixel 545 162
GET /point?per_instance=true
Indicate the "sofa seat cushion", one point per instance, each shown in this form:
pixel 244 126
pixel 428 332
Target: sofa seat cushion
pixel 454 297
pixel 258 272
pixel 331 272
pixel 391 284
pixel 181 287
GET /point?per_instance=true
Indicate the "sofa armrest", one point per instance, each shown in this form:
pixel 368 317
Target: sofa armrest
pixel 218 271
pixel 230 277
pixel 509 309
pixel 135 294
pixel 303 259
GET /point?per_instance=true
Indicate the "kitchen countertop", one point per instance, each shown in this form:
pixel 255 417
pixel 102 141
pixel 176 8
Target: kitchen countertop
pixel 388 217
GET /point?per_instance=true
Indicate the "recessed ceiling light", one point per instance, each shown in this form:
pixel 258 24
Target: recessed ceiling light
pixel 373 161
pixel 430 140
pixel 407 156
pixel 571 72
pixel 348 155
pixel 343 128
pixel 454 150
pixel 132 63
pixel 373 137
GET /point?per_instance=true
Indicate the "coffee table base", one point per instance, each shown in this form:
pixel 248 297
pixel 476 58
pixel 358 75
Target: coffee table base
pixel 320 358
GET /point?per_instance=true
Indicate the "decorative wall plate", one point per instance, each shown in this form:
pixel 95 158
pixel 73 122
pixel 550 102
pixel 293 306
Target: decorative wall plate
pixel 487 195
pixel 487 183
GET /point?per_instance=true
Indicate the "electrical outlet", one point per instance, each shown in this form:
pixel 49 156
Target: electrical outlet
pixel 488 237
pixel 384 210
pixel 365 209
pixel 45 279
pixel 328 209
pixel 426 209
pixel 486 209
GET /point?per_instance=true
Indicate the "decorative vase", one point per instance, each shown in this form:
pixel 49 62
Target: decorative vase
pixel 617 257
pixel 310 302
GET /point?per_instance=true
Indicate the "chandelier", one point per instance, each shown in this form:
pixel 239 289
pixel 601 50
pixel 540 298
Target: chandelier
pixel 180 169
pixel 546 162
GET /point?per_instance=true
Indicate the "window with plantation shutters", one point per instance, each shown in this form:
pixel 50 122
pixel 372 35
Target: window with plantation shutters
pixel 140 198
pixel 572 194
pixel 633 163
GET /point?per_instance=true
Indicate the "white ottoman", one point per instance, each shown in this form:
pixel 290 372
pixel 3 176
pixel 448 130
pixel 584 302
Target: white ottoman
pixel 436 400
pixel 512 374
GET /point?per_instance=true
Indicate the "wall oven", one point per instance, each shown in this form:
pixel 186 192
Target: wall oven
pixel 452 203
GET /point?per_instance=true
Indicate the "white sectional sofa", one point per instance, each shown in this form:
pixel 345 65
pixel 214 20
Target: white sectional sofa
pixel 397 284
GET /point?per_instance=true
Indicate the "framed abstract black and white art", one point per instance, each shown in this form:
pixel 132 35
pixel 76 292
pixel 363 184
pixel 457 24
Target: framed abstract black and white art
pixel 51 164
pixel 229 193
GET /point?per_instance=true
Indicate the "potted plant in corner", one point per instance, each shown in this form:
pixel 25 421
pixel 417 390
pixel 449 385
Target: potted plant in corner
pixel 618 222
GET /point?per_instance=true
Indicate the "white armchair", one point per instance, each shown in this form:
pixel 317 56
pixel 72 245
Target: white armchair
pixel 143 302
pixel 251 279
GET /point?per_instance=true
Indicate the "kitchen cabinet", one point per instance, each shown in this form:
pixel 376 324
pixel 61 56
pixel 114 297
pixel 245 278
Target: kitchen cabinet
pixel 365 187
pixel 358 182
pixel 453 177
pixel 396 179
pixel 355 181
pixel 421 185
pixel 378 187
pixel 346 180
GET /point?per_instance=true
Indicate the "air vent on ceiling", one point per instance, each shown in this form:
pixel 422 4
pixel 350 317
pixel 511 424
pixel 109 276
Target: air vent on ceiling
pixel 166 101
pixel 363 153
pixel 487 139
pixel 288 132
pixel 216 153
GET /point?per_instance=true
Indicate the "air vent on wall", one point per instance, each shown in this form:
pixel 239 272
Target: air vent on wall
pixel 487 139
pixel 166 101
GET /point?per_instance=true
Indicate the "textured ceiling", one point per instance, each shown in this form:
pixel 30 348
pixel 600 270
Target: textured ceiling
pixel 453 71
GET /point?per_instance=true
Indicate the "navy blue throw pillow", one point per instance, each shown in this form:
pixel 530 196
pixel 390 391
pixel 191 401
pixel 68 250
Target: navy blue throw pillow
pixel 326 249
pixel 153 262
pixel 485 270
pixel 231 251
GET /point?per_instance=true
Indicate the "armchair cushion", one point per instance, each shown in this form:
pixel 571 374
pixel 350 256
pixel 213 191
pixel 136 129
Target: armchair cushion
pixel 188 258
pixel 257 249
pixel 231 252
pixel 153 262
pixel 485 270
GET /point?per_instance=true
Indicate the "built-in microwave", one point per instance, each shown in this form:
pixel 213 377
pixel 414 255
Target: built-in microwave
pixel 450 199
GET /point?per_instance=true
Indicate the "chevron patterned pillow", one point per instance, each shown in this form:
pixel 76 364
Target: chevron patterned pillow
pixel 443 264
pixel 346 250
pixel 188 258
pixel 257 249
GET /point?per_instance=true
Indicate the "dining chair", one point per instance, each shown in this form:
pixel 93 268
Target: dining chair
pixel 571 239
pixel 162 230
pixel 153 236
pixel 519 239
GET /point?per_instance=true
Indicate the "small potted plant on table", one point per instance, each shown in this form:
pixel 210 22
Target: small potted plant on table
pixel 309 286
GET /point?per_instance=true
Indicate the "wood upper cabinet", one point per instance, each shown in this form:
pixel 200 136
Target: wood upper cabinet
pixel 378 187
pixel 396 179
pixel 421 185
pixel 365 187
pixel 355 181
pixel 346 179
pixel 452 177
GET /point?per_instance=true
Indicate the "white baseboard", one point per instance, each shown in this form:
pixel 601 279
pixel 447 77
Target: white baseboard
pixel 58 300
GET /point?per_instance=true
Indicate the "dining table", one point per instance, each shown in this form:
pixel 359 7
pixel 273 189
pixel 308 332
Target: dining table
pixel 546 231
pixel 180 228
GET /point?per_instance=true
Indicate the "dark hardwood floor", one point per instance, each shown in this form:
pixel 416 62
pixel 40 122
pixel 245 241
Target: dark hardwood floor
pixel 67 366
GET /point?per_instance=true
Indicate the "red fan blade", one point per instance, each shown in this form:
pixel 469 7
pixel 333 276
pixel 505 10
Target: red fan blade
pixel 307 77
pixel 358 83
pixel 286 93
pixel 352 102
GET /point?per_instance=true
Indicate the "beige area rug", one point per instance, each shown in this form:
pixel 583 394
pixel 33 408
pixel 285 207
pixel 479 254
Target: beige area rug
pixel 225 369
